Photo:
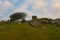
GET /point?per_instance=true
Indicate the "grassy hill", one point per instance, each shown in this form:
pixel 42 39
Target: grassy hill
pixel 18 31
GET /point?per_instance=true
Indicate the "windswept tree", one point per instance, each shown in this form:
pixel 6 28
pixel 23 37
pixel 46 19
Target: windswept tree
pixel 17 16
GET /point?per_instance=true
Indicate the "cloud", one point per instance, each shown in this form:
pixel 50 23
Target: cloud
pixel 3 17
pixel 47 13
pixel 56 8
pixel 8 4
pixel 37 4
pixel 40 8
pixel 4 6
pixel 55 4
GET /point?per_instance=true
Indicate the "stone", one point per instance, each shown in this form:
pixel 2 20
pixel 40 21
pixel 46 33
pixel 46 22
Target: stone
pixel 34 23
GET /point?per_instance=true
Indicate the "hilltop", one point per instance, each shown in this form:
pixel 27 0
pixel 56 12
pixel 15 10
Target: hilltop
pixel 19 31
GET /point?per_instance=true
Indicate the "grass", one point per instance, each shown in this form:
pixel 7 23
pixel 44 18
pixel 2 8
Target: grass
pixel 16 31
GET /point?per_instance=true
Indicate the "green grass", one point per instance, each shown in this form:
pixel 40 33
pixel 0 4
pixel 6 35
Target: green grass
pixel 15 31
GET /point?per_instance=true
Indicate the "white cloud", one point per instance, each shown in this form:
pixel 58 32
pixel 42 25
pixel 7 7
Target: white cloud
pixel 55 4
pixel 8 4
pixel 3 17
pixel 23 8
pixel 47 13
pixel 56 7
pixel 36 5
pixel 4 6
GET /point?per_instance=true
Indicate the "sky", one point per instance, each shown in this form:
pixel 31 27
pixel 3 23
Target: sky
pixel 40 8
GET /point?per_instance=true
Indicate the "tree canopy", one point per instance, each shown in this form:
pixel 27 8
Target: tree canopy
pixel 17 15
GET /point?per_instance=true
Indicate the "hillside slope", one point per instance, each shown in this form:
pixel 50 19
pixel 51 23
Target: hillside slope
pixel 17 31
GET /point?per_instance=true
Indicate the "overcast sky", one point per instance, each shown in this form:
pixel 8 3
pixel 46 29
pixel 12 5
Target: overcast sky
pixel 40 8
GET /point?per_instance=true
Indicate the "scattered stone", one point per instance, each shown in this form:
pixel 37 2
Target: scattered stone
pixel 57 24
pixel 44 21
pixel 33 23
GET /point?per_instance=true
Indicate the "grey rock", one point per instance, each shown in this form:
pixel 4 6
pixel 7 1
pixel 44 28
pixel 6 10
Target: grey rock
pixel 34 23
